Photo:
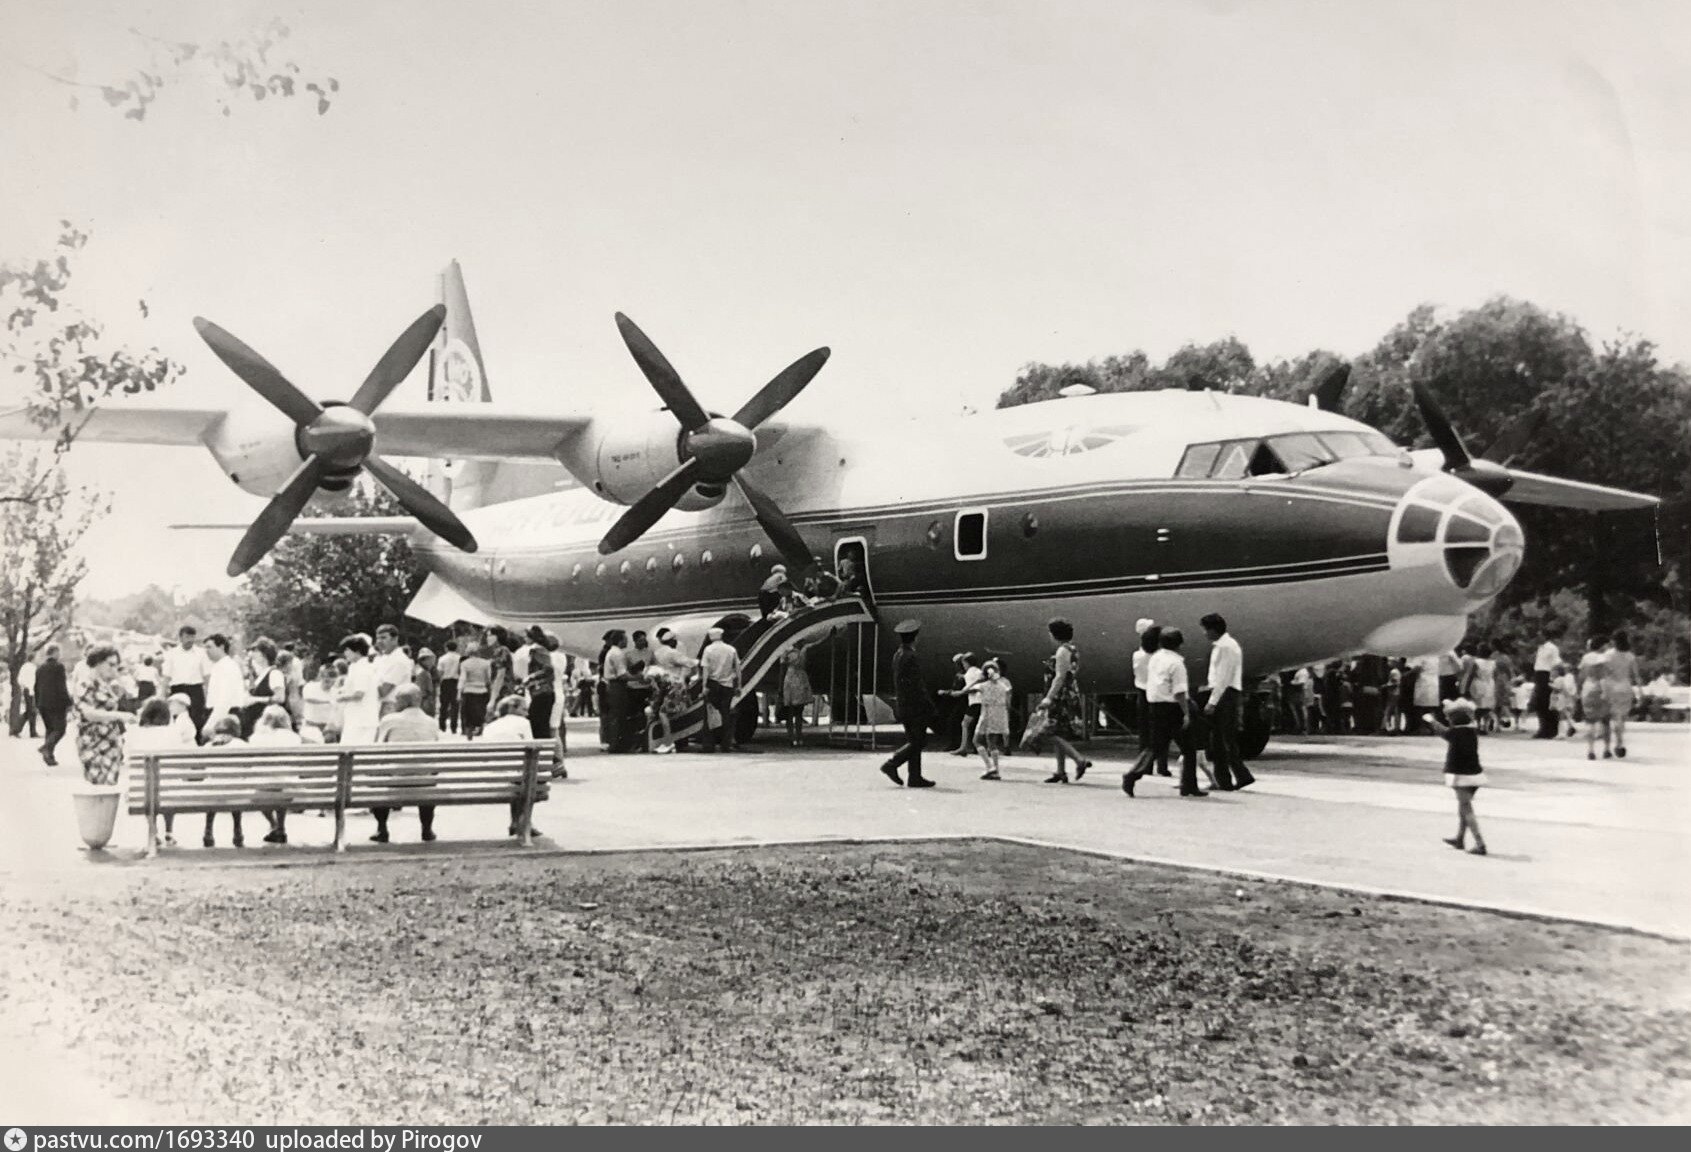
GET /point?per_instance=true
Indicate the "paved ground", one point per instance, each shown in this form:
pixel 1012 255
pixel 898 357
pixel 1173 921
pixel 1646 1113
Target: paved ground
pixel 1606 842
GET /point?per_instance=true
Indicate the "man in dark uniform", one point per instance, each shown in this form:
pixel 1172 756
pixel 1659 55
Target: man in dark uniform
pixel 911 705
pixel 52 698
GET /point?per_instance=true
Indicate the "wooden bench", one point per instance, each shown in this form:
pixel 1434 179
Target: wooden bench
pixel 337 777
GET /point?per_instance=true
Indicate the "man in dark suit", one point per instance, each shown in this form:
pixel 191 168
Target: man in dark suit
pixel 912 706
pixel 52 698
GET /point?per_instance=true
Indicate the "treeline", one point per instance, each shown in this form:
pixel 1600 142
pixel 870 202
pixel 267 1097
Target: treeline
pixel 1610 413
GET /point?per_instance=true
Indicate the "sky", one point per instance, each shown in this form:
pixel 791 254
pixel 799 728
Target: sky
pixel 940 191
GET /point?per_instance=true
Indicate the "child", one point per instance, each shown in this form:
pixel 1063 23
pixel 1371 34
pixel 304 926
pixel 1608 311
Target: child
pixel 156 731
pixel 181 720
pixel 1521 699
pixel 993 691
pixel 1564 691
pixel 1462 771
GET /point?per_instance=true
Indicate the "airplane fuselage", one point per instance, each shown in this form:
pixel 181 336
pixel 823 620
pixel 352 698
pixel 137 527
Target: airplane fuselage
pixel 1090 509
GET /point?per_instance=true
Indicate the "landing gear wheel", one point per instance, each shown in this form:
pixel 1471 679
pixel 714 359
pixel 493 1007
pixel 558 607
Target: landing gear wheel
pixel 1253 735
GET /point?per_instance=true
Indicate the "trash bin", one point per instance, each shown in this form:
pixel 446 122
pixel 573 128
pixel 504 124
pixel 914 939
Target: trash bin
pixel 96 815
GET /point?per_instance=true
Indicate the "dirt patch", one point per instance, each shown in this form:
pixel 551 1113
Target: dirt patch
pixel 954 982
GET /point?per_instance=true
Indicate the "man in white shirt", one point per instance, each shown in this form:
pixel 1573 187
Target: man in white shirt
pixel 225 690
pixel 26 701
pixel 1171 719
pixel 448 669
pixel 361 706
pixel 721 665
pixel 1543 671
pixel 1223 706
pixel 185 671
pixel 393 667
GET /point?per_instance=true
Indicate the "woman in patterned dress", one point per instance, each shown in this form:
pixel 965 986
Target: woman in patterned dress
pixel 1062 702
pixel 100 720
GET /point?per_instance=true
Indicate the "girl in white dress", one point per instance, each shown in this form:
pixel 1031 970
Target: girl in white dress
pixel 1593 701
pixel 1482 685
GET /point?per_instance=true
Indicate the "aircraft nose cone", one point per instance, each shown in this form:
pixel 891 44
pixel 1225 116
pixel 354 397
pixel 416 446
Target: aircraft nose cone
pixel 1483 546
pixel 722 447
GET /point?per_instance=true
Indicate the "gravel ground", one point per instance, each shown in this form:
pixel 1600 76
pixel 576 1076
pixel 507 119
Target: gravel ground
pixel 954 982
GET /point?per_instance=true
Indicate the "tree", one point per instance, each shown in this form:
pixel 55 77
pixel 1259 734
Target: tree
pixel 247 68
pixel 317 589
pixel 39 569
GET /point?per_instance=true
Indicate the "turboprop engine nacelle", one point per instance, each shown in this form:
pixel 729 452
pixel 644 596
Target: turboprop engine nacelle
pixel 255 448
pixel 622 459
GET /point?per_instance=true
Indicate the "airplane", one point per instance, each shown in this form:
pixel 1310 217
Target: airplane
pixel 1313 534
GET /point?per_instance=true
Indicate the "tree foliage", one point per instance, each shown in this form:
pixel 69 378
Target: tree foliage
pixel 317 589
pixel 250 68
pixel 1610 415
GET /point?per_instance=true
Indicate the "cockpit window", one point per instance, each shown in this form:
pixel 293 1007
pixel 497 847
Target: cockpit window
pixel 1234 461
pixel 1278 455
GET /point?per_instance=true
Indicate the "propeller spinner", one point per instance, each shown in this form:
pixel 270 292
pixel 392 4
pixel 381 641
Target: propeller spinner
pixel 336 440
pixel 713 448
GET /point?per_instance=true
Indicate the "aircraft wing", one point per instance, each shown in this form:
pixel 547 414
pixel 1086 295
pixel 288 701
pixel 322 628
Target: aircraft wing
pixel 459 432
pixel 117 423
pixel 325 526
pixel 1533 488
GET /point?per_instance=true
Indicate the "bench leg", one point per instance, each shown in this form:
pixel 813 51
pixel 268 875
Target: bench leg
pixel 340 829
pixel 525 824
pixel 152 837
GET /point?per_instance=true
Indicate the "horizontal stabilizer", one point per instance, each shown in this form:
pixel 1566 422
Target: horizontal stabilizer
pixel 438 603
pixel 327 526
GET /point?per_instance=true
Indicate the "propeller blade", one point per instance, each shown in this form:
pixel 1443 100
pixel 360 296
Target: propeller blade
pixel 779 392
pixel 278 515
pixel 1444 436
pixel 665 380
pixel 418 501
pixel 774 521
pixel 1331 388
pixel 650 508
pixel 396 363
pixel 259 374
pixel 1515 437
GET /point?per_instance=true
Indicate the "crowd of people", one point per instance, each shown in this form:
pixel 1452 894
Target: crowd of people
pixel 373 689
pixel 1372 695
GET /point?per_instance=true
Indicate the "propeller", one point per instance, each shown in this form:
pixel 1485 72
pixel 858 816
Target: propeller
pixel 336 440
pixel 1330 388
pixel 1487 475
pixel 713 448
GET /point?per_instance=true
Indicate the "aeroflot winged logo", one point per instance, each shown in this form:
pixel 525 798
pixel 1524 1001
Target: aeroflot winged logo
pixel 1066 441
pixel 460 378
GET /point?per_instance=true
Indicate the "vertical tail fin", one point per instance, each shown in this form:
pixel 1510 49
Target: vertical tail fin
pixel 457 375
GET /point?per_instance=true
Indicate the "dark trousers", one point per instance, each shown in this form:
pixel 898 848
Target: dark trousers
pixel 721 697
pixel 1142 707
pixel 1168 726
pixel 915 739
pixel 54 720
pixel 196 694
pixel 1541 706
pixel 473 706
pixel 449 705
pixel 540 714
pixel 1225 759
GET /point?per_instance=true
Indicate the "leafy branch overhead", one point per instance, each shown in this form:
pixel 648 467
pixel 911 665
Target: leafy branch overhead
pixel 250 68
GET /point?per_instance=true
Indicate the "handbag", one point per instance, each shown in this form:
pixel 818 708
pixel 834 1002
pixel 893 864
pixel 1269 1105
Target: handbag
pixel 1038 725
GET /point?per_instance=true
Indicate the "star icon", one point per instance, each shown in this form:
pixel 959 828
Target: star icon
pixel 16 1138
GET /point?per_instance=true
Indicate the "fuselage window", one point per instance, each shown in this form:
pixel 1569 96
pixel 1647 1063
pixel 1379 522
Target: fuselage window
pixel 1266 462
pixel 705 558
pixel 652 566
pixel 755 554
pixel 679 562
pixel 599 572
pixel 1030 525
pixel 1345 445
pixel 935 534
pixel 971 535
pixel 1195 465
pixel 624 569
pixel 575 574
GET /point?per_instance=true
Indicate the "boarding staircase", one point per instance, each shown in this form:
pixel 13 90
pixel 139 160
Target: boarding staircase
pixel 761 646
